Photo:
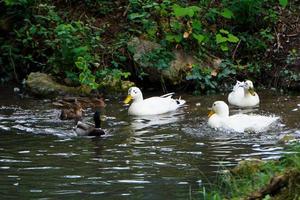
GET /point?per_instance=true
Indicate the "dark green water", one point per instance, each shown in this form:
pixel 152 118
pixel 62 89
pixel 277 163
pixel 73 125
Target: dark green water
pixel 163 157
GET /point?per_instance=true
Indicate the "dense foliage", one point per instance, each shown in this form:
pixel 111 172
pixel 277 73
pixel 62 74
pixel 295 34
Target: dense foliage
pixel 86 41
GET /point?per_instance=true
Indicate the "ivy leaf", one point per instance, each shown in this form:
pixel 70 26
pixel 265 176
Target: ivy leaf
pixel 224 31
pixel 172 38
pixel 178 38
pixel 232 38
pixel 181 11
pixel 226 13
pixel 220 38
pixel 198 37
pixel 283 3
pixel 196 24
pixel 224 47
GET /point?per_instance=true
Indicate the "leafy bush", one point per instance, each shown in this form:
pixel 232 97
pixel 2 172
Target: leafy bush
pixel 46 42
pixel 229 29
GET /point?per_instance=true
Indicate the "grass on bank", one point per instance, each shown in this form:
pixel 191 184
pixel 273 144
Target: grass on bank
pixel 256 179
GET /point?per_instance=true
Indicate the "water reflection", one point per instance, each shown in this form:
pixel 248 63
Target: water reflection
pixel 140 123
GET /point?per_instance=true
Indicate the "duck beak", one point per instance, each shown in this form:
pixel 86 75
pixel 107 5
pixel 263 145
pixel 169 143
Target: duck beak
pixel 128 99
pixel 251 91
pixel 210 113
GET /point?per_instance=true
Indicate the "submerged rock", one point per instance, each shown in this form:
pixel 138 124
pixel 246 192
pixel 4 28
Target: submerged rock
pixel 43 85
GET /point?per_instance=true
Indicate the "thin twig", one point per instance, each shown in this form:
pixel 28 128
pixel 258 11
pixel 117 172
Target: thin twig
pixel 234 52
pixel 13 65
pixel 126 10
pixel 163 85
pixel 278 40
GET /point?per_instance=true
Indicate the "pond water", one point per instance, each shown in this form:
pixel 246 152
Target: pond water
pixel 169 156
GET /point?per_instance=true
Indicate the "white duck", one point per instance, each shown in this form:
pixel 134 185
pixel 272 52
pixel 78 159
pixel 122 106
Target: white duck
pixel 219 118
pixel 152 105
pixel 243 95
pixel 237 92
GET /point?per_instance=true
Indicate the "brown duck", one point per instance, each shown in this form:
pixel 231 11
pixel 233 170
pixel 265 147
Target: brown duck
pixel 73 113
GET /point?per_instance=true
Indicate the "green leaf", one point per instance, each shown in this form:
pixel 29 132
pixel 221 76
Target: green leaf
pixel 283 3
pixel 220 38
pixel 80 50
pixel 224 47
pixel 175 25
pixel 199 37
pixel 174 38
pixel 232 38
pixel 226 13
pixel 196 24
pixel 182 12
pixel 133 16
pixel 224 31
pixel 178 38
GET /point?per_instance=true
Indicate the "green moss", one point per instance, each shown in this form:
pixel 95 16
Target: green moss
pixel 277 179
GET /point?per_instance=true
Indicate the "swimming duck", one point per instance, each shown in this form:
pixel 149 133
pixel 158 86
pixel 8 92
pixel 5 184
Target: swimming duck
pixel 152 105
pixel 74 113
pixel 219 118
pixel 243 95
pixel 237 92
pixel 85 102
pixel 86 129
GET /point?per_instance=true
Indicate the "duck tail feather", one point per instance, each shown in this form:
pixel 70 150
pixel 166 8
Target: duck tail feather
pixel 169 95
pixel 180 102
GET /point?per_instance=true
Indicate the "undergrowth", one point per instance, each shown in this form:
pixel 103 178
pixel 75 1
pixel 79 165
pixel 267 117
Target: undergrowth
pixel 84 41
pixel 252 177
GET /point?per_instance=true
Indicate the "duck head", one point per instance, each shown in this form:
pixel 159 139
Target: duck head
pixel 97 119
pixel 134 93
pixel 249 88
pixel 219 108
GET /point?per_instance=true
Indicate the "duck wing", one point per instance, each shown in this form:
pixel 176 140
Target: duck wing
pixel 256 123
pixel 155 105
pixel 96 132
pixel 169 95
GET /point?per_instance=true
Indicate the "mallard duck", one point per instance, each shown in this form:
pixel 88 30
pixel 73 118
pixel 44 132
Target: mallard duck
pixel 86 129
pixel 243 95
pixel 152 105
pixel 219 118
pixel 74 113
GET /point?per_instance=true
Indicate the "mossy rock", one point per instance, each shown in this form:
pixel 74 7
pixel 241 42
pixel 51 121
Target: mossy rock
pixel 178 68
pixel 247 167
pixel 286 139
pixel 43 85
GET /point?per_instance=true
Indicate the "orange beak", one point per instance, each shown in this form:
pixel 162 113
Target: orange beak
pixel 210 113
